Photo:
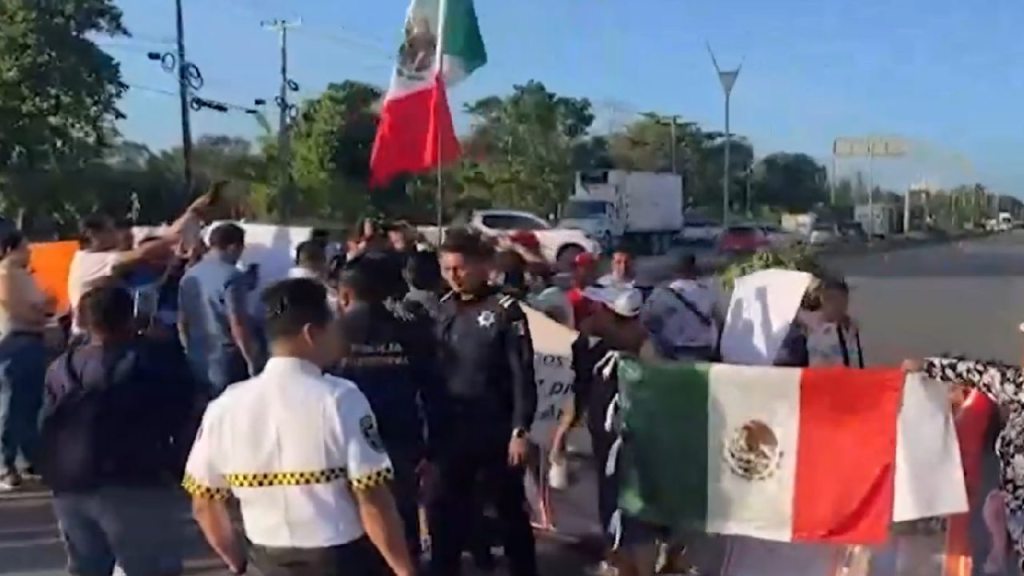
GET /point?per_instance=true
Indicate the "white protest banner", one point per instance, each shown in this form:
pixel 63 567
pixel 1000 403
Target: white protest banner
pixel 552 366
pixel 762 307
pixel 571 512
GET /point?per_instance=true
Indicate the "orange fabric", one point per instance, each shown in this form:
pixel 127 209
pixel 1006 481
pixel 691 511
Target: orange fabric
pixel 50 263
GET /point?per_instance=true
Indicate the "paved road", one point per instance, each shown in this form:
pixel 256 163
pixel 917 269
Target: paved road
pixel 967 297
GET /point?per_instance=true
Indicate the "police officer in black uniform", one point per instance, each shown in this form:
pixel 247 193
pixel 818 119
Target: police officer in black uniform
pixel 487 360
pixel 392 357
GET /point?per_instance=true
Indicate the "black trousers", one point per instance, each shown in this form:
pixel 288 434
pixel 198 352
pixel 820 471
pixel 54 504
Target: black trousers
pixel 358 558
pixel 472 472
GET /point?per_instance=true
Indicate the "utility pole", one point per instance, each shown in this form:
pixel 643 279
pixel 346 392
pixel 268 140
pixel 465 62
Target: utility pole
pixel 285 110
pixel 183 96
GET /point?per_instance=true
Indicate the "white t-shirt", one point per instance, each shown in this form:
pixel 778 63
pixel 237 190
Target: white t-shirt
pixel 292 445
pixel 826 341
pixel 610 281
pixel 86 268
pixel 332 294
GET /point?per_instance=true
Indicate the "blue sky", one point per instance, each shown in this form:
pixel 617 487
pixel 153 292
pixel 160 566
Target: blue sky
pixel 944 73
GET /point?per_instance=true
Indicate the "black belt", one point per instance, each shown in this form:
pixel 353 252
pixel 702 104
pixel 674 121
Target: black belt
pixel 22 334
pixel 356 558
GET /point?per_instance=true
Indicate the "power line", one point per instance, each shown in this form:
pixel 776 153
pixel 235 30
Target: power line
pixel 196 103
pixel 349 40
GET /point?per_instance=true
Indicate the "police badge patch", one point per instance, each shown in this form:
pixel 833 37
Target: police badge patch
pixel 368 427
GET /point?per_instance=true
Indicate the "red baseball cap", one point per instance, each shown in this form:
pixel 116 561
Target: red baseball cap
pixel 584 259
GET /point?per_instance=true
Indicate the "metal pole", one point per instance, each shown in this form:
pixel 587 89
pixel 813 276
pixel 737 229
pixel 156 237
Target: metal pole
pixel 183 96
pixel 728 79
pixel 871 190
pixel 750 175
pixel 725 175
pixel 832 180
pixel 906 212
pixel 287 205
pixel 675 168
pixel 442 15
pixel 283 143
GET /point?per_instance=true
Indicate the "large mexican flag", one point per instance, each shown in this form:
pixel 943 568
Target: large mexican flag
pixel 442 46
pixel 788 454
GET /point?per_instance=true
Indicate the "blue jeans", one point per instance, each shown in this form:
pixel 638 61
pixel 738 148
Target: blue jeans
pixel 22 371
pixel 224 369
pixel 141 530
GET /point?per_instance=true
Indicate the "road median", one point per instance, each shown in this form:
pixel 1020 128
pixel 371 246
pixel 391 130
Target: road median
pixel 896 243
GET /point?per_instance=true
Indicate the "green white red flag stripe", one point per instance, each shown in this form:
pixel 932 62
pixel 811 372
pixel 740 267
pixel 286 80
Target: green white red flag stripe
pixel 786 454
pixel 442 46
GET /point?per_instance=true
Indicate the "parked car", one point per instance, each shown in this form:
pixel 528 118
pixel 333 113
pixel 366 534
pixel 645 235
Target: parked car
pixel 696 230
pixel 779 238
pixel 852 232
pixel 823 233
pixel 743 238
pixel 560 245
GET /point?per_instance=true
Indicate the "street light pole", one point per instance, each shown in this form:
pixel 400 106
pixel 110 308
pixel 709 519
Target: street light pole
pixel 728 79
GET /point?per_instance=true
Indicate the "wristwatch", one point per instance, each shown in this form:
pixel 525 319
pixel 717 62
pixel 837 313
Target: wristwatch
pixel 519 433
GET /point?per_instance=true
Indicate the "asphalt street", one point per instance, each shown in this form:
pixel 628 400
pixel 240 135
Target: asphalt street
pixel 966 297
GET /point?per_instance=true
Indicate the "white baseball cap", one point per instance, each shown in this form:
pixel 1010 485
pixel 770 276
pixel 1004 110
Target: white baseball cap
pixel 625 302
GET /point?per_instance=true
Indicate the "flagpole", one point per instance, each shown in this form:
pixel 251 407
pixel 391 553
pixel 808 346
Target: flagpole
pixel 442 14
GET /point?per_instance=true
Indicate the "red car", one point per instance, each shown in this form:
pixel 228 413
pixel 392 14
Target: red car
pixel 743 239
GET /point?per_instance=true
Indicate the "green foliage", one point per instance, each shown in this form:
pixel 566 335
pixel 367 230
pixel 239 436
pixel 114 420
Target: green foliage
pixel 797 258
pixel 331 144
pixel 521 147
pixel 58 90
pixel 792 182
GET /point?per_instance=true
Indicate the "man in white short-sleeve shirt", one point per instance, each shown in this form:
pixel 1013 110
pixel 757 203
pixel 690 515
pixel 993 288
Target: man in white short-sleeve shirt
pixel 302 454
pixel 101 255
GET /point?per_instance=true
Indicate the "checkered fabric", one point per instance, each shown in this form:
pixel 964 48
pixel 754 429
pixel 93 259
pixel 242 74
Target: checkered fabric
pixel 372 480
pixel 194 488
pixel 303 478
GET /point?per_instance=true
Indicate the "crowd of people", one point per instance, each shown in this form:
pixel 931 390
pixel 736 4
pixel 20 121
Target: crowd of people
pixel 384 390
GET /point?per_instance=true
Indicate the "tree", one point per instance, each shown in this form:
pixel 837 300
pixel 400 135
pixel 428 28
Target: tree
pixel 331 144
pixel 646 145
pixel 705 177
pixel 844 193
pixel 521 148
pixel 58 89
pixel 58 97
pixel 792 182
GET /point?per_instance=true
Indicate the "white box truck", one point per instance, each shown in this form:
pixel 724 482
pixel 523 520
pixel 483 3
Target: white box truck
pixel 644 209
